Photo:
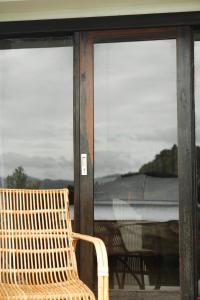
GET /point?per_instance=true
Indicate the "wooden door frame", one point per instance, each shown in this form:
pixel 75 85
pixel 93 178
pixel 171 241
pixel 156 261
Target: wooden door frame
pixel 87 30
pixel 187 163
pixel 186 142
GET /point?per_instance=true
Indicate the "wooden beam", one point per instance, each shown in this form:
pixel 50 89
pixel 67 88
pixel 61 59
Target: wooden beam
pixel 186 162
pixel 144 295
pixel 86 147
pixel 64 26
pixel 76 114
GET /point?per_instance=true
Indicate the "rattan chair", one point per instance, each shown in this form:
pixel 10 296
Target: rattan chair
pixel 37 248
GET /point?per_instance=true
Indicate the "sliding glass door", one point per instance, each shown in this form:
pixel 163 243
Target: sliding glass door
pixel 135 163
pixel 97 113
pixel 36 113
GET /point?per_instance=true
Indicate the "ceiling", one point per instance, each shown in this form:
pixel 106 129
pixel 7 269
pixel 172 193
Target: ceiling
pixel 51 9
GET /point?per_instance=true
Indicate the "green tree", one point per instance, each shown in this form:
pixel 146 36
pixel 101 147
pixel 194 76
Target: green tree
pixel 165 164
pixel 18 179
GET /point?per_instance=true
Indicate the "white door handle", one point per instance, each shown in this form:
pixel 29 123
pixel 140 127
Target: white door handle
pixel 83 164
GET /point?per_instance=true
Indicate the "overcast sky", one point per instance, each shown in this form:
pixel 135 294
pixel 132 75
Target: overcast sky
pixel 135 104
pixel 36 111
pixel 135 107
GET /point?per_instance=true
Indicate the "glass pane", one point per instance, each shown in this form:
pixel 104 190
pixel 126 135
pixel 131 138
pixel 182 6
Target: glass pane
pixel 36 114
pixel 136 183
pixel 197 119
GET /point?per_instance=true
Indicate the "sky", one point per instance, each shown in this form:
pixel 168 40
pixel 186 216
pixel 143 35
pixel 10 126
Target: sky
pixel 134 103
pixel 135 109
pixel 36 112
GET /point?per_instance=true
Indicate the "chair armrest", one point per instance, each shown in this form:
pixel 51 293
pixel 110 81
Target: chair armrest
pixel 102 258
pixel 102 263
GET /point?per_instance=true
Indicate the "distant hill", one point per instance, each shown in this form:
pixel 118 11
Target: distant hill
pixel 35 183
pixel 51 183
pixel 165 164
pixel 106 179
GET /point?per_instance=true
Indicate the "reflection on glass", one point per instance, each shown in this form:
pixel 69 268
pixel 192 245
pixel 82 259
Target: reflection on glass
pixel 197 120
pixel 136 185
pixel 36 113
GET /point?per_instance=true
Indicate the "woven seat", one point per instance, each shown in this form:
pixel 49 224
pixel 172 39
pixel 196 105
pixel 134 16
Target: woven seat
pixel 37 248
pixel 69 290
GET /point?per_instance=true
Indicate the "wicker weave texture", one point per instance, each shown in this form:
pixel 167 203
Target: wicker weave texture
pixel 37 247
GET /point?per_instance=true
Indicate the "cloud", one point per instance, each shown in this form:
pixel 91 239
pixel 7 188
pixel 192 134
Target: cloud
pixel 36 111
pixel 133 87
pixel 37 166
pixel 166 135
pixel 36 86
pixel 135 103
pixel 111 162
pixel 135 107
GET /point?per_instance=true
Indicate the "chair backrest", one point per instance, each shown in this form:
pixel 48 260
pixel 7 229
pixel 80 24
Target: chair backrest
pixel 131 230
pixel 35 243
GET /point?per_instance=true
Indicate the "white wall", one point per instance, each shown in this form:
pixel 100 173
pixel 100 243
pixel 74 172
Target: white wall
pixel 11 10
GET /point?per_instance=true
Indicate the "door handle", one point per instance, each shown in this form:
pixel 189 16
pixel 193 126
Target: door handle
pixel 84 164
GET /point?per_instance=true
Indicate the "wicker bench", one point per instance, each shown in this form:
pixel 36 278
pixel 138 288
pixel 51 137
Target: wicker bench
pixel 37 245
